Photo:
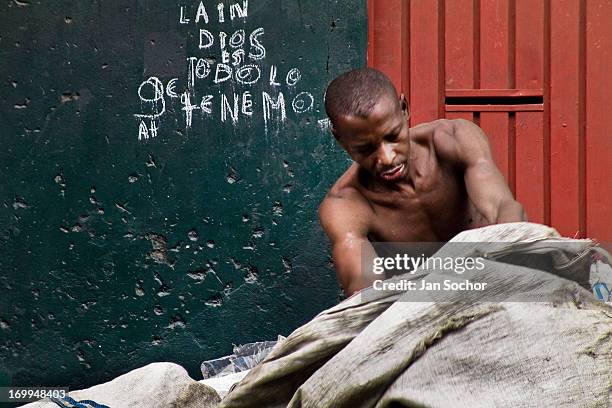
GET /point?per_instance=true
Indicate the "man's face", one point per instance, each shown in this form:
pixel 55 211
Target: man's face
pixel 379 143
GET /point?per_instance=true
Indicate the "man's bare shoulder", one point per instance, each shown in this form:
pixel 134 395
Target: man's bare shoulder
pixel 426 132
pixel 345 209
pixel 453 140
pixel 462 141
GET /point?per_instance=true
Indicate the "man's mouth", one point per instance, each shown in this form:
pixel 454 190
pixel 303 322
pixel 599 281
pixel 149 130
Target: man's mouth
pixel 394 173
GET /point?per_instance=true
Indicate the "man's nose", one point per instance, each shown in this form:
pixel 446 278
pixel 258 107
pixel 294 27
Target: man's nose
pixel 386 155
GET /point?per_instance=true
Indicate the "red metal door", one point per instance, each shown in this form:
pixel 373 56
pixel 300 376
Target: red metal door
pixel 534 74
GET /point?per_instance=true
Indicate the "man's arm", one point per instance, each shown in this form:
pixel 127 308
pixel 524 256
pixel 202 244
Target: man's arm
pixel 345 221
pixel 464 142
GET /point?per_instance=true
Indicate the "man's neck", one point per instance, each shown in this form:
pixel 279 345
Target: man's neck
pixel 377 185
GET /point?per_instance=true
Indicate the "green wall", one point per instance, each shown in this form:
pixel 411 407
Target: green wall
pixel 118 250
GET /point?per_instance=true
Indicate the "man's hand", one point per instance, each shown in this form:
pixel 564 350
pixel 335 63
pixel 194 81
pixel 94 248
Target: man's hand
pixel 462 142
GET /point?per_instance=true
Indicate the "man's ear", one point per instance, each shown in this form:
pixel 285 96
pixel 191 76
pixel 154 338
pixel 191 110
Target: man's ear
pixel 404 105
pixel 334 131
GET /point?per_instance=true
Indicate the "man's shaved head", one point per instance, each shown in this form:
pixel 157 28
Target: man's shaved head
pixel 356 92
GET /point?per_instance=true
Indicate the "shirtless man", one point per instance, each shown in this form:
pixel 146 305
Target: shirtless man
pixel 420 184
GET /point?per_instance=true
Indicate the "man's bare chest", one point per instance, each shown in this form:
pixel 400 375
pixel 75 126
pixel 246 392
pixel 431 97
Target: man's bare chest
pixel 436 210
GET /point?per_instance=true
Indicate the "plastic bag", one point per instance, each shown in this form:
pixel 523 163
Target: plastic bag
pixel 245 357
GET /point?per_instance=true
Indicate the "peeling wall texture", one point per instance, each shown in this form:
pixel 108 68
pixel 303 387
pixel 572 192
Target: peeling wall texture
pixel 129 236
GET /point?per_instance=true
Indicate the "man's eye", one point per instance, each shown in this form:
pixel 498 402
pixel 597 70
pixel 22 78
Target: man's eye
pixel 364 149
pixel 392 137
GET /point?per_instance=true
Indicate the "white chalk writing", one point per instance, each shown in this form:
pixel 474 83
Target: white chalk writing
pixel 230 60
